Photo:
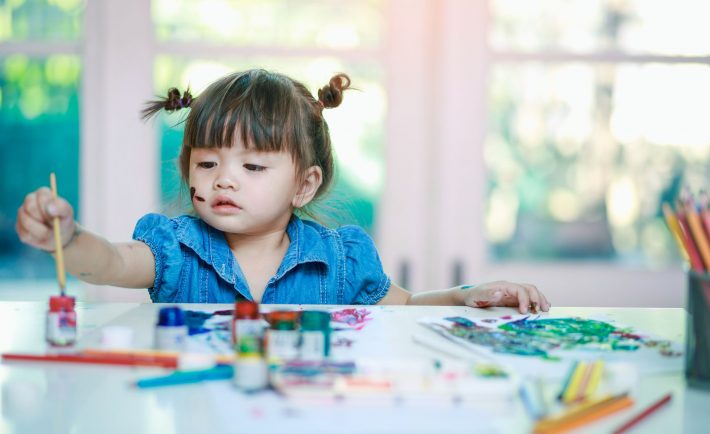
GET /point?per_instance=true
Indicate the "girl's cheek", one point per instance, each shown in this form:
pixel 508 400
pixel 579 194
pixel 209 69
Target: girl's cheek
pixel 194 196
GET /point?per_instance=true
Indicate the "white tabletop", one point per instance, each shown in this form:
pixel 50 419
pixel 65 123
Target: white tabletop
pixel 64 398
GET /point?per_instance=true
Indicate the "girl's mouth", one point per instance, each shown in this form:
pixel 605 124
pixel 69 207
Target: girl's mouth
pixel 223 204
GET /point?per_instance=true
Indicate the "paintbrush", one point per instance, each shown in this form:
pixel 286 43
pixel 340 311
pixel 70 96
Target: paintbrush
pixel 58 253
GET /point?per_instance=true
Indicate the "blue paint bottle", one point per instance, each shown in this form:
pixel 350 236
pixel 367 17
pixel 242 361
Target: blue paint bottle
pixel 171 329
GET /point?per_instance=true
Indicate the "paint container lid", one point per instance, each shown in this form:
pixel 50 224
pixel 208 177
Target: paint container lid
pixel 59 303
pixel 283 319
pixel 246 310
pixel 171 317
pixel 314 320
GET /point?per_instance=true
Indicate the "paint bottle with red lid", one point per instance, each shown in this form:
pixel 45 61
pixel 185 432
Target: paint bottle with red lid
pixel 61 321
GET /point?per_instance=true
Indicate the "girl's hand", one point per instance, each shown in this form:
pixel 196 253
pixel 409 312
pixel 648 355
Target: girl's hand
pixel 34 220
pixel 525 296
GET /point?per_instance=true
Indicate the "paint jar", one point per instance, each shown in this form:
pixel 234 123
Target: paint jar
pixel 250 373
pixel 697 349
pixel 171 329
pixel 247 328
pixel 282 337
pixel 315 335
pixel 61 321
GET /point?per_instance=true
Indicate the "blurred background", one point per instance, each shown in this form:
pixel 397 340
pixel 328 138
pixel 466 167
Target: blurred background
pixel 498 139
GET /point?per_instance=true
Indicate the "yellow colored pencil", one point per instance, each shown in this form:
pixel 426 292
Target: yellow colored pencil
pixel 583 414
pixel 672 222
pixel 570 393
pixel 58 252
pixel 597 372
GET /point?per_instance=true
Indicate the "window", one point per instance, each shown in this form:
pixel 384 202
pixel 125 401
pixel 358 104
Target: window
pixel 40 73
pixel 598 115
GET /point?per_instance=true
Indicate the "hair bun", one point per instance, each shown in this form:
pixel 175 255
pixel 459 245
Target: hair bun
pixel 331 95
pixel 175 102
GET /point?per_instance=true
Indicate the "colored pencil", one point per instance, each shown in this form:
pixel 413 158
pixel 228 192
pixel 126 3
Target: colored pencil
pixel 571 393
pixel 533 398
pixel 115 359
pixel 644 414
pixel 698 233
pixel 672 222
pixel 583 414
pixel 581 393
pixel 695 262
pixel 597 372
pixel 58 252
pixel 158 354
pixel 220 372
pixel 705 211
pixel 565 385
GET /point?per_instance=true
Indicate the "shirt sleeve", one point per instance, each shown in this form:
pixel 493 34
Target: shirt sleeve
pixel 365 280
pixel 159 233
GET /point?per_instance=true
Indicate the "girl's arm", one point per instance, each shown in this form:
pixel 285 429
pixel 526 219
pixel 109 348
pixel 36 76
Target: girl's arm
pixel 524 296
pixel 87 256
pixel 94 259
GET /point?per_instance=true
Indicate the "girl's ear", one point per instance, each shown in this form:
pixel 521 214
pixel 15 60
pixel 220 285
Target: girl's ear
pixel 309 187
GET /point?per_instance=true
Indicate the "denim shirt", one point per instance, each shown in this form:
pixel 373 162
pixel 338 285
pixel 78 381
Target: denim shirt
pixel 194 264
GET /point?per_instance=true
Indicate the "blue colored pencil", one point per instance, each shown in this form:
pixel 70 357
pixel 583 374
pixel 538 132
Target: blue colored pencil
pixel 219 372
pixel 531 394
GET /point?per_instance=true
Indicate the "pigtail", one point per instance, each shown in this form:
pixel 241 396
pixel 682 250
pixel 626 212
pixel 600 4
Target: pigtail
pixel 331 95
pixel 172 103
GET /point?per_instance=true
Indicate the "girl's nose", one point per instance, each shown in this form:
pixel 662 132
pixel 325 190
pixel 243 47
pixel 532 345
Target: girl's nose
pixel 225 182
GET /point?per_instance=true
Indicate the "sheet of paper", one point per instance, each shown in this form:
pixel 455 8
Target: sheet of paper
pixel 537 346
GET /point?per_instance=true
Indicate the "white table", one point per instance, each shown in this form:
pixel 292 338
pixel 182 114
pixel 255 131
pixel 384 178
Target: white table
pixel 67 398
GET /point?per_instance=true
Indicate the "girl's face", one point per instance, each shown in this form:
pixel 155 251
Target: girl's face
pixel 242 191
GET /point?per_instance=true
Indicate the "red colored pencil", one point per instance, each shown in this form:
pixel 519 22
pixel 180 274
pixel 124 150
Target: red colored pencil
pixel 114 359
pixel 644 414
pixel 695 262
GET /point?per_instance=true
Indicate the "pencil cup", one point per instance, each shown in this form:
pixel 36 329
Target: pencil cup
pixel 697 348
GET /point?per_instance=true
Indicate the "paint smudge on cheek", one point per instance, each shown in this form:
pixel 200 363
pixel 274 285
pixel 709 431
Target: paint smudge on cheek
pixel 193 196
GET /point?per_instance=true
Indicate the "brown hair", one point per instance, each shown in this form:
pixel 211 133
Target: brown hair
pixel 269 112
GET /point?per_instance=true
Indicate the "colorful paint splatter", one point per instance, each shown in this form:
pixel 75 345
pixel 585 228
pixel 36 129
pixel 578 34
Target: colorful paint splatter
pixel 355 318
pixel 537 337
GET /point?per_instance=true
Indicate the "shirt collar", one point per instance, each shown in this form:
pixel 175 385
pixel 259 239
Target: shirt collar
pixel 210 245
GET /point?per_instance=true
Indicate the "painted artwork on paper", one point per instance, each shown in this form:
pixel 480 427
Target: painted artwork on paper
pixel 528 336
pixel 554 339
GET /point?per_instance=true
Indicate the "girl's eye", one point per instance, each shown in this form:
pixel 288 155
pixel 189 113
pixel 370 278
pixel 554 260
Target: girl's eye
pixel 206 164
pixel 254 167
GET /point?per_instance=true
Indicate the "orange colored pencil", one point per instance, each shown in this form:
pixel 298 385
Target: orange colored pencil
pixel 582 415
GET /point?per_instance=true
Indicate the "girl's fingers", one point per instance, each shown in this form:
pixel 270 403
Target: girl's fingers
pixel 32 231
pixel 535 299
pixel 31 207
pixel 522 296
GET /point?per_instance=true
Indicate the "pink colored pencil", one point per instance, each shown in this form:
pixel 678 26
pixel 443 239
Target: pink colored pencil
pixel 644 414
